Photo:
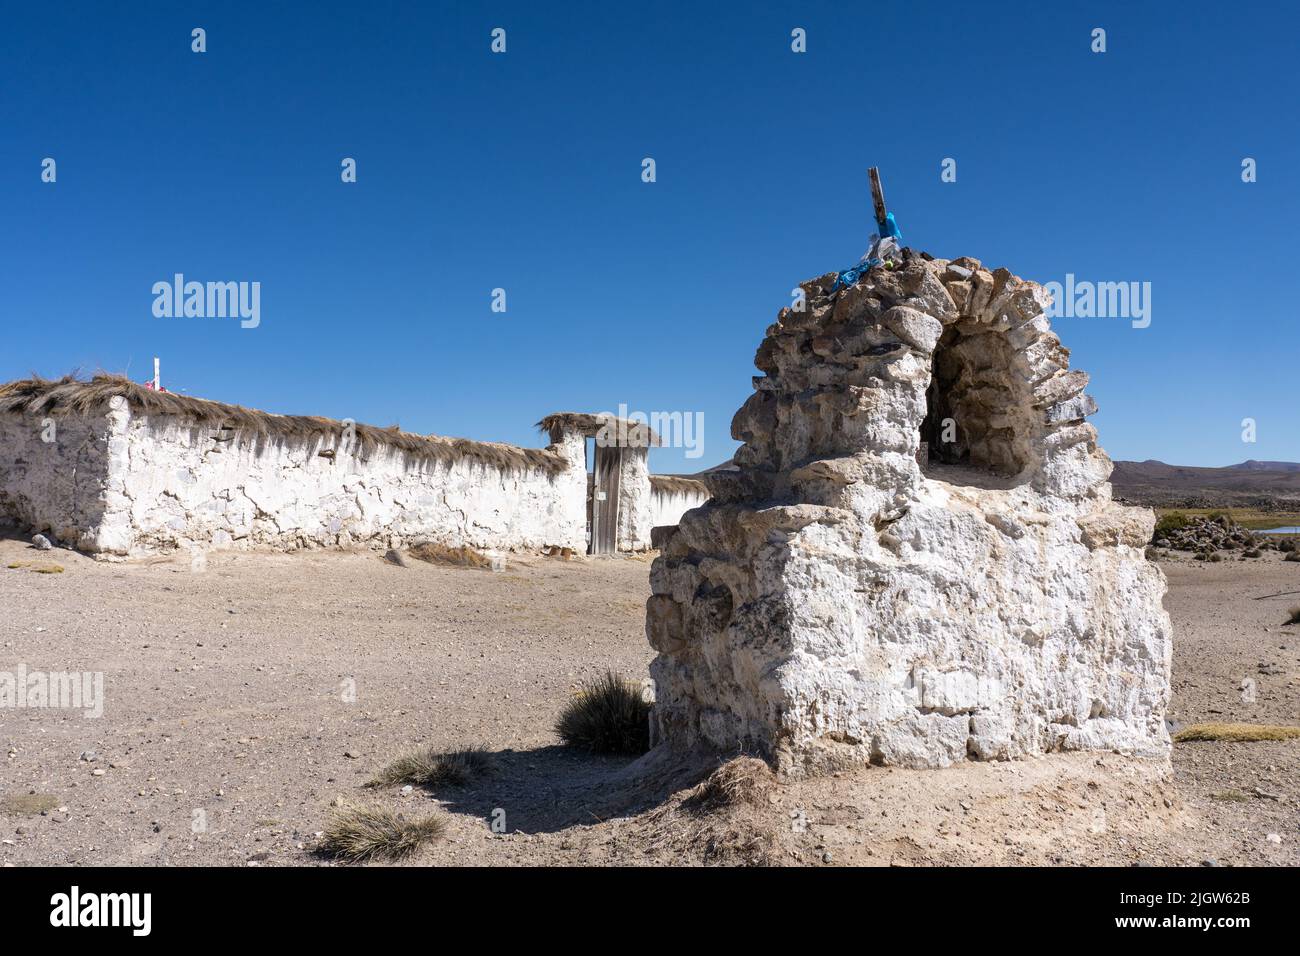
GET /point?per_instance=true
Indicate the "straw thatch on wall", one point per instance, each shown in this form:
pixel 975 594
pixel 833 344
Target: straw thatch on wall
pixel 678 484
pixel 69 395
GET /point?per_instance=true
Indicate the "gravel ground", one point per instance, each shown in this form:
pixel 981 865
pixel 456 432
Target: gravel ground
pixel 243 697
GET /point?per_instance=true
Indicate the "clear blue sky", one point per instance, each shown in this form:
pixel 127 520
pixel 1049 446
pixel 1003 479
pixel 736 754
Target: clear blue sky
pixel 523 171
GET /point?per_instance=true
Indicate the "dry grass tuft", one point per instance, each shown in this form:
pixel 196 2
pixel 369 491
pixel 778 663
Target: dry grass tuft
pixel 1231 796
pixel 1293 615
pixel 608 715
pixel 456 557
pixel 1237 733
pixel 431 768
pixel 37 568
pixel 745 781
pixel 357 833
pixel 28 804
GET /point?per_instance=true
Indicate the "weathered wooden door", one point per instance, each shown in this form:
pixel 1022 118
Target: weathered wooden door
pixel 604 499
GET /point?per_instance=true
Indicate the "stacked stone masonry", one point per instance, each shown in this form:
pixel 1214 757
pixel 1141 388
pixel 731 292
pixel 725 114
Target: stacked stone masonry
pixel 917 560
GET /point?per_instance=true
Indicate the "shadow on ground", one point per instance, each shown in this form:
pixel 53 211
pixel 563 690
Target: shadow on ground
pixel 552 788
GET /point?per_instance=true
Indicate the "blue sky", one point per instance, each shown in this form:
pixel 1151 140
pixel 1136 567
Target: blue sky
pixel 523 171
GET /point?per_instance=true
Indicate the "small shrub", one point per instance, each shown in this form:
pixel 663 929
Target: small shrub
pixel 431 768
pixel 1292 556
pixel 1293 616
pixel 1215 557
pixel 608 715
pixel 1252 553
pixel 358 833
pixel 1236 733
pixel 1168 523
pixel 1287 544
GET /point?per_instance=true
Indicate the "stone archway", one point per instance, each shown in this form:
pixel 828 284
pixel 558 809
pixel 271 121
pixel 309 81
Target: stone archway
pixel 978 407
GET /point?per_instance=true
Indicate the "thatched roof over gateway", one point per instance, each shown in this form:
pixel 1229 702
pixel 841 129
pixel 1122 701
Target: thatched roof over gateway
pixel 626 431
pixel 69 395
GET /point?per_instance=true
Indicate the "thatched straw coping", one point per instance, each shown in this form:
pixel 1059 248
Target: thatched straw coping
pixel 637 434
pixel 678 485
pixel 69 395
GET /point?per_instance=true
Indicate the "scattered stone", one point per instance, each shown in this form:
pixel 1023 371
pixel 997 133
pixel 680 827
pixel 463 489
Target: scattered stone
pixel 1207 535
pixel 1274 838
pixel 41 543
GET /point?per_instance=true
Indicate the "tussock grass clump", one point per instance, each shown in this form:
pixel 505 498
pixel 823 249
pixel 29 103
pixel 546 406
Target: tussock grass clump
pixel 456 557
pixel 608 715
pixel 432 768
pixel 1293 615
pixel 745 781
pixel 357 833
pixel 1292 556
pixel 1237 733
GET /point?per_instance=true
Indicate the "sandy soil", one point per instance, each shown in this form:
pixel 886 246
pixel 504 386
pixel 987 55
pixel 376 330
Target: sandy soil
pixel 230 726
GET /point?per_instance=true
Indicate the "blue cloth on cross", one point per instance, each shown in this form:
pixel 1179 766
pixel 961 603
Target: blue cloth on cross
pixel 886 230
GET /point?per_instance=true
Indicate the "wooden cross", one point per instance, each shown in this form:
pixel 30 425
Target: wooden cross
pixel 877 195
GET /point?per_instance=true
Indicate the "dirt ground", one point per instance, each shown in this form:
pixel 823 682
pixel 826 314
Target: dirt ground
pixel 244 696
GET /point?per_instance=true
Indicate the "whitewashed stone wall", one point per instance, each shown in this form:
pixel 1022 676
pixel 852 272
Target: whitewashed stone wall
pixel 667 504
pixel 57 487
pixel 839 601
pixel 634 504
pixel 131 484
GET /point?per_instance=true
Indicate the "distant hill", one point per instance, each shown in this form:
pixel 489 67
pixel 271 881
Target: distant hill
pixel 1254 465
pixel 1266 485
